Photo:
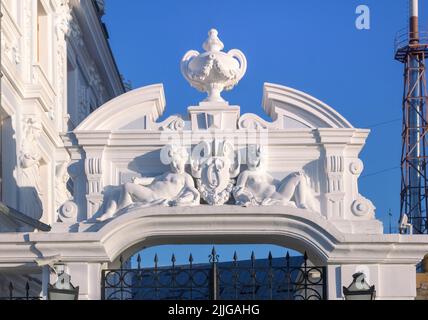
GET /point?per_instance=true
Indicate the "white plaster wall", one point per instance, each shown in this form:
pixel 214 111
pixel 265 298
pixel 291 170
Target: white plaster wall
pixel 392 281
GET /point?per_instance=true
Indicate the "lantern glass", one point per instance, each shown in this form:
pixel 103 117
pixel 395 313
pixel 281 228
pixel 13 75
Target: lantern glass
pixel 63 295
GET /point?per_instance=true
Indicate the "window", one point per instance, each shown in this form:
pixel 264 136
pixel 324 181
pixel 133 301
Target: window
pixel 42 37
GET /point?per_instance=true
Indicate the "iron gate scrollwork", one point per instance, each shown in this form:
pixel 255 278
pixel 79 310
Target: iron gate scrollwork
pixel 289 278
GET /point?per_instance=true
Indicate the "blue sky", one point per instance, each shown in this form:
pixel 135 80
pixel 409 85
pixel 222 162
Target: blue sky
pixel 309 45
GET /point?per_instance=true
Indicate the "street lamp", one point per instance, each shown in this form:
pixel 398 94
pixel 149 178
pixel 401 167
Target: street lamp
pixel 359 289
pixel 63 289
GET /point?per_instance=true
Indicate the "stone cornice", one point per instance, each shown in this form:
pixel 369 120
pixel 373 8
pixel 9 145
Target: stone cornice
pixel 276 138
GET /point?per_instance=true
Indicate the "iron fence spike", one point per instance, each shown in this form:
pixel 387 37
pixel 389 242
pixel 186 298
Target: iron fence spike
pixel 156 260
pixel 10 291
pixel 139 261
pixel 235 257
pixel 213 257
pixel 253 259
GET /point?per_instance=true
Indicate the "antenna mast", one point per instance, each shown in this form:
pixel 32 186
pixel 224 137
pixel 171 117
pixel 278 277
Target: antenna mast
pixel 411 48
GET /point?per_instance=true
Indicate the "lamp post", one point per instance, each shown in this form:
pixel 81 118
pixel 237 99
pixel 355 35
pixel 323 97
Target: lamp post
pixel 359 289
pixel 63 288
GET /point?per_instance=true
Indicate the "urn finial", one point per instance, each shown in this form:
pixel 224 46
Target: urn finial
pixel 214 70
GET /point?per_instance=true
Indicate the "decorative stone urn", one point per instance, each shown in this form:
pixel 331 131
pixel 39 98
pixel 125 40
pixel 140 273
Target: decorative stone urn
pixel 214 70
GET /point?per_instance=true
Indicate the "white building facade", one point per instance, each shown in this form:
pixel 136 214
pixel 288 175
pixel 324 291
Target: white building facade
pixel 120 180
pixel 57 67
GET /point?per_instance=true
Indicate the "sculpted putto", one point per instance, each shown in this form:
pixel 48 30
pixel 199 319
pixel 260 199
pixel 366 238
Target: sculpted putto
pixel 174 188
pixel 256 187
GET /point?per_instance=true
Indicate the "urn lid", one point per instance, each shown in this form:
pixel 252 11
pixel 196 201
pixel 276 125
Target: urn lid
pixel 213 43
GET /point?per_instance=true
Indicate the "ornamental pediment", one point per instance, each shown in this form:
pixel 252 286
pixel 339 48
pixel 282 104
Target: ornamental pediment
pixel 306 157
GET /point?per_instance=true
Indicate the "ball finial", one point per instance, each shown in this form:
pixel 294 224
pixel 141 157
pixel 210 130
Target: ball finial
pixel 213 33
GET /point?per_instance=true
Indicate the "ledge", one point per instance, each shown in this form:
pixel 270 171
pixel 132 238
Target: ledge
pixel 296 229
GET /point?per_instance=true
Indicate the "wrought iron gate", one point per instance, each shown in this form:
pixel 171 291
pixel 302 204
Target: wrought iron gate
pixel 289 278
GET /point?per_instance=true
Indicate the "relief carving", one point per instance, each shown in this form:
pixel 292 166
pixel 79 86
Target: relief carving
pixel 363 207
pixel 67 209
pixel 31 191
pixel 173 123
pixel 256 187
pixel 356 167
pixel 174 188
pixel 214 165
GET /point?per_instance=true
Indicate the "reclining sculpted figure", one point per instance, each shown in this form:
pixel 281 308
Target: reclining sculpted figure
pixel 256 187
pixel 175 188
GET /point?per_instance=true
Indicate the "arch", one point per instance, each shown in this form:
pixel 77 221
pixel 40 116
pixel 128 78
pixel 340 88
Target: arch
pixel 300 110
pixel 136 109
pixel 289 227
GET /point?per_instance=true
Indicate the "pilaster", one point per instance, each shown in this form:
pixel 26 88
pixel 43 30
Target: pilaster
pixel 95 182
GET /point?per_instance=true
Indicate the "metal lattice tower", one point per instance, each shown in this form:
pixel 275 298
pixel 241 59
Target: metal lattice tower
pixel 412 50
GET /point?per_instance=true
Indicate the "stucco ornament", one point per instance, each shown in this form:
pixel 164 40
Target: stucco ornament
pixel 63 18
pixel 66 207
pixel 174 188
pixel 363 207
pixel 214 165
pixel 256 187
pixel 62 195
pixel 31 191
pixel 356 167
pixel 214 70
pixel 68 212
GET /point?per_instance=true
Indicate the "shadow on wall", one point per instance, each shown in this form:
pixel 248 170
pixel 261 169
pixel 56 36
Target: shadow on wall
pixel 30 163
